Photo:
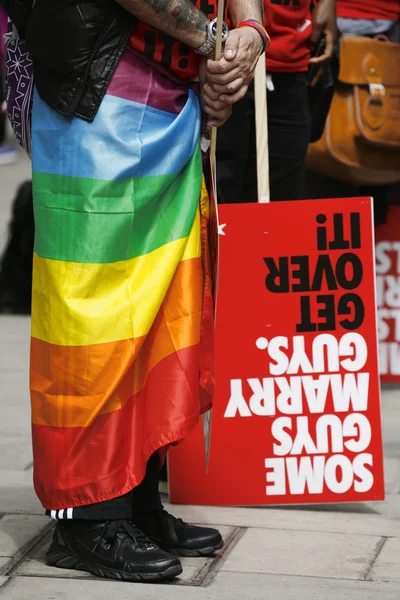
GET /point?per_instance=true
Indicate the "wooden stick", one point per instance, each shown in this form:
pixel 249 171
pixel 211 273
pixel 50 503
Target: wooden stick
pixel 218 54
pixel 260 98
pixel 207 417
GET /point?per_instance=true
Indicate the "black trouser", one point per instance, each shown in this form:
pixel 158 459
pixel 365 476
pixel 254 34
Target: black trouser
pixel 321 186
pixel 142 499
pixel 289 134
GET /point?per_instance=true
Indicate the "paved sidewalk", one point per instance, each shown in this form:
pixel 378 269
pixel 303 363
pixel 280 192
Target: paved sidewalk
pixel 334 553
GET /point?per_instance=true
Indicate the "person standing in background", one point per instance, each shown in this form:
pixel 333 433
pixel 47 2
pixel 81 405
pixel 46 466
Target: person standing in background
pixel 371 18
pixel 368 18
pixel 294 32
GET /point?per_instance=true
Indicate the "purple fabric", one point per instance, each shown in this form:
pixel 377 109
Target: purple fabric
pixel 156 95
pixel 19 90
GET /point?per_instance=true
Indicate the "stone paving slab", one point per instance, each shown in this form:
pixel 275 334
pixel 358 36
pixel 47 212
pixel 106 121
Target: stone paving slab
pixel 387 565
pixel 14 354
pixel 21 414
pixel 17 494
pixel 13 329
pixel 3 580
pixel 227 586
pixel 15 452
pixel 16 531
pixel 329 519
pixel 341 556
pixel 392 475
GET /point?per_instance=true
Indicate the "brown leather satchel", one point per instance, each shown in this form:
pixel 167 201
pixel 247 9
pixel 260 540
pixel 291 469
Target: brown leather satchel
pixel 361 140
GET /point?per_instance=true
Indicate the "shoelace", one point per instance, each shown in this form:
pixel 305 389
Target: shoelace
pixel 112 527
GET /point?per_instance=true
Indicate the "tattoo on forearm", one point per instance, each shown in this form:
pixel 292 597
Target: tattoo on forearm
pixel 186 15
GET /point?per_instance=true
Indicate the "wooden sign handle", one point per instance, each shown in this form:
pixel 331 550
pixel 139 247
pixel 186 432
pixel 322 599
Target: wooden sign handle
pixel 260 99
pixel 207 417
pixel 218 54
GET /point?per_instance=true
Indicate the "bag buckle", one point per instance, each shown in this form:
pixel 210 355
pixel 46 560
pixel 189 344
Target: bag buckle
pixel 377 91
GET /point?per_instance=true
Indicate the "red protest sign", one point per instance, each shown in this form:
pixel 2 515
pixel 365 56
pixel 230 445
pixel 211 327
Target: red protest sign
pixel 388 295
pixel 297 411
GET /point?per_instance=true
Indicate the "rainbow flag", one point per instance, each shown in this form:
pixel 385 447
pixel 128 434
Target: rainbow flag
pixel 122 315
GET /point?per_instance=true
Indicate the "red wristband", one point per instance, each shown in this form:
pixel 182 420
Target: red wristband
pixel 261 30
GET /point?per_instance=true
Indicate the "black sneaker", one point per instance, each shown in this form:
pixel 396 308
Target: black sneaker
pixel 113 549
pixel 178 537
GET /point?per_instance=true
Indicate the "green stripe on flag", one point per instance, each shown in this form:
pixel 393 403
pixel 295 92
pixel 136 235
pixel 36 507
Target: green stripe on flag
pixel 99 222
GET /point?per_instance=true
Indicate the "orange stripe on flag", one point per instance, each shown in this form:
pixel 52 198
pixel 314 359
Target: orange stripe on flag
pixel 73 385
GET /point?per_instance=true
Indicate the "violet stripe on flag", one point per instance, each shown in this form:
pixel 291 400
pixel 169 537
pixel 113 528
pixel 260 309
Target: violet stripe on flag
pixel 157 93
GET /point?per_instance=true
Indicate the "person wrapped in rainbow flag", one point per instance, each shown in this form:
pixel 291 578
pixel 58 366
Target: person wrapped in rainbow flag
pixel 123 278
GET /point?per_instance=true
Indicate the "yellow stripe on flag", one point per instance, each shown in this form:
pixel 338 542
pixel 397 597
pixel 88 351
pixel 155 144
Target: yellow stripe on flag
pixel 77 304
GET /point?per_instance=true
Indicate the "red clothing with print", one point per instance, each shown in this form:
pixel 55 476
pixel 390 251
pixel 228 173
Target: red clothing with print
pixel 288 23
pixel 369 9
pixel 179 58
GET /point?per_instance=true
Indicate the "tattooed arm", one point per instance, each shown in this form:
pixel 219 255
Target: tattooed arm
pixel 179 18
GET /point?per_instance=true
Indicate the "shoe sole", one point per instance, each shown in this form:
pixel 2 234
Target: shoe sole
pixel 63 560
pixel 196 553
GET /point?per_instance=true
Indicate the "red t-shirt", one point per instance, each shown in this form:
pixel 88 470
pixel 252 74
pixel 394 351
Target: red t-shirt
pixel 179 58
pixel 369 9
pixel 288 23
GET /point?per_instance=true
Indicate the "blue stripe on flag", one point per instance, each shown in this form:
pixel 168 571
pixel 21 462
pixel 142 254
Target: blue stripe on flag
pixel 126 139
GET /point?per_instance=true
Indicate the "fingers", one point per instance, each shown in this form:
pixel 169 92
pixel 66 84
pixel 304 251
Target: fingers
pixel 239 95
pixel 319 60
pixel 212 102
pixel 229 89
pixel 210 93
pixel 328 53
pixel 224 78
pixel 217 122
pixel 213 107
pixel 203 71
pixel 228 79
pixel 219 67
pixel 328 50
pixel 218 117
pixel 231 47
